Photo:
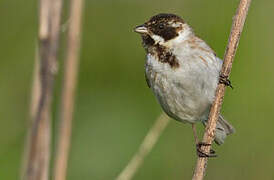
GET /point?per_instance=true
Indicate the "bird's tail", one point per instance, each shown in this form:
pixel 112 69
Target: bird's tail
pixel 223 128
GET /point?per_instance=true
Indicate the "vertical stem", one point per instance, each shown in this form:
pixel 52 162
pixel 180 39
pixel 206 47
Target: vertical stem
pixel 68 92
pixel 38 144
pixel 237 27
pixel 35 94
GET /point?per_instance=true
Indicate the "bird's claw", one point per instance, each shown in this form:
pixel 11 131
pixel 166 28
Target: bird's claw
pixel 201 153
pixel 224 80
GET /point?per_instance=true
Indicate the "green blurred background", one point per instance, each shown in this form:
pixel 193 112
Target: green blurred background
pixel 115 108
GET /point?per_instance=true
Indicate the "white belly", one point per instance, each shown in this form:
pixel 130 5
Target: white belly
pixel 183 96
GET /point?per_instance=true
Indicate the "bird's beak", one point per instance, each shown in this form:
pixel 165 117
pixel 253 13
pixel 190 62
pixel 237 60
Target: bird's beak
pixel 141 29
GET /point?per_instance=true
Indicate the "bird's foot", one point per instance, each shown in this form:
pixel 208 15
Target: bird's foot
pixel 224 80
pixel 201 153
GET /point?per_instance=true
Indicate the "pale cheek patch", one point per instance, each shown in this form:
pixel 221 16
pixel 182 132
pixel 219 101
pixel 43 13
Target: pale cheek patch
pixel 157 39
pixel 176 25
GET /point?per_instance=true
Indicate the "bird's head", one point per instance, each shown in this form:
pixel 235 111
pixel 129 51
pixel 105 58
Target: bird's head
pixel 163 29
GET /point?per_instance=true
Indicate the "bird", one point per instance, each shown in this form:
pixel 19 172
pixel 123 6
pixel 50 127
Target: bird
pixel 183 73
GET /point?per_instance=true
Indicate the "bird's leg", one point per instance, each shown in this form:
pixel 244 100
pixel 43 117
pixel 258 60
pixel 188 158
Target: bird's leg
pixel 199 144
pixel 224 80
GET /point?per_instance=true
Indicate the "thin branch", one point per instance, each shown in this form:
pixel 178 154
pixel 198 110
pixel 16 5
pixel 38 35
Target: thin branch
pixel 36 86
pixel 35 94
pixel 68 92
pixel 237 27
pixel 38 150
pixel 145 148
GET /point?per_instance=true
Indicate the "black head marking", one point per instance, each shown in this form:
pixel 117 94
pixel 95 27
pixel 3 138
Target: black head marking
pixel 161 25
pixel 166 17
pixel 166 26
pixel 147 40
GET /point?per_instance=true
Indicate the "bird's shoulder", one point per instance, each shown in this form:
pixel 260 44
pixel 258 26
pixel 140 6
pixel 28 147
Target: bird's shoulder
pixel 195 49
pixel 196 43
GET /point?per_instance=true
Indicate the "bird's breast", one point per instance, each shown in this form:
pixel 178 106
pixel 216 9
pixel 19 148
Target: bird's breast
pixel 180 93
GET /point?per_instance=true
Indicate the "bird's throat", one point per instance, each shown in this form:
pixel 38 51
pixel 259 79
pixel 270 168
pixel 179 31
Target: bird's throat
pixel 163 55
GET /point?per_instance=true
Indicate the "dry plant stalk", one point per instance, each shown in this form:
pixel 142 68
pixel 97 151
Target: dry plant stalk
pixel 145 148
pixel 237 27
pixel 35 94
pixel 68 91
pixel 36 86
pixel 38 144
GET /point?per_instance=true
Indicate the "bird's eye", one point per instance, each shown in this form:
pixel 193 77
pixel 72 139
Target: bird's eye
pixel 161 26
